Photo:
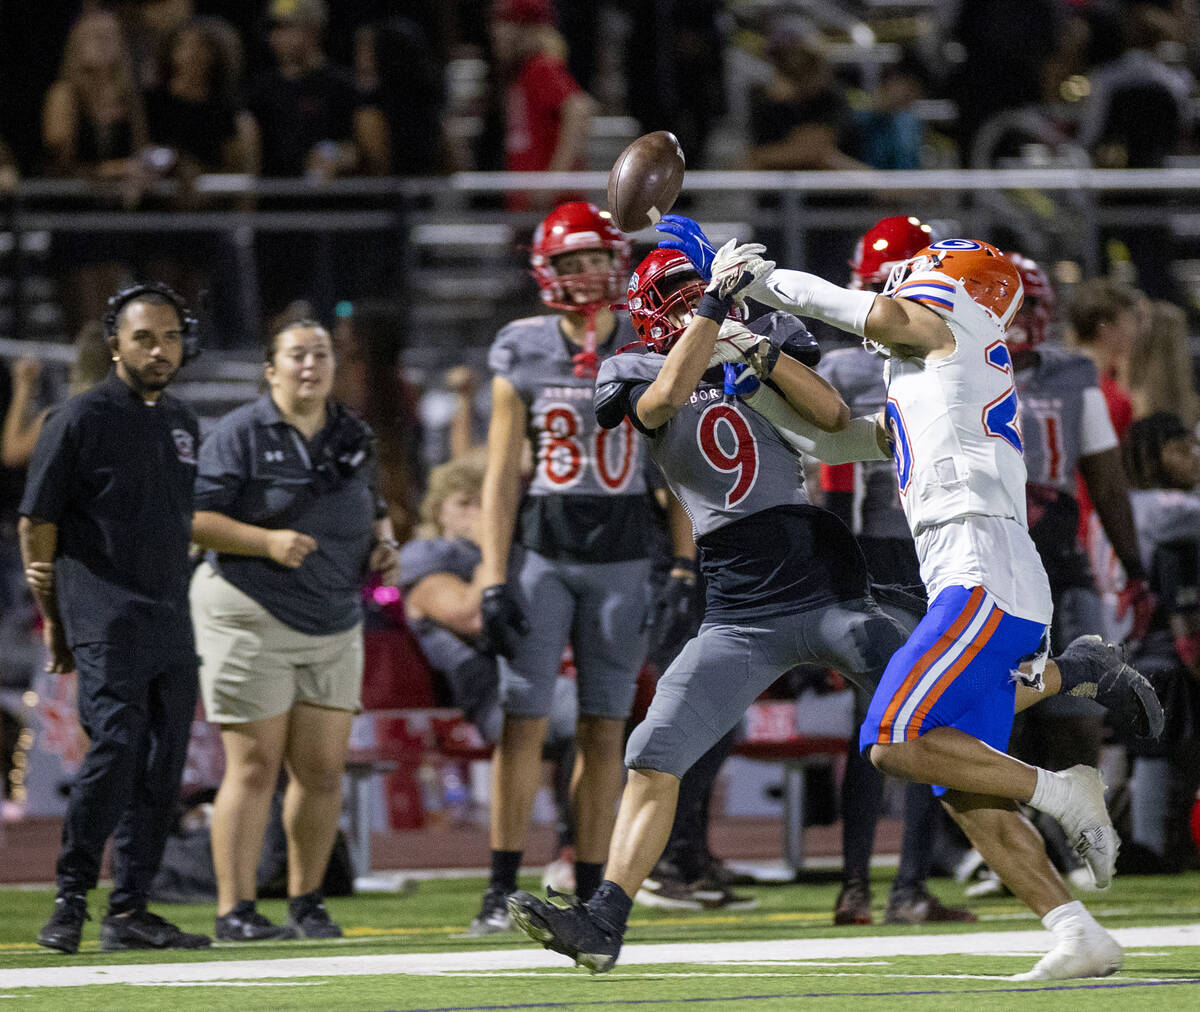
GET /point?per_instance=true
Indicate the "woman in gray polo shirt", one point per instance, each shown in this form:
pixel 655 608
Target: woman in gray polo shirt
pixel 287 504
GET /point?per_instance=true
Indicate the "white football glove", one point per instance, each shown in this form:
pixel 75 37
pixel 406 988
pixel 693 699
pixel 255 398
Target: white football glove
pixel 735 343
pixel 737 267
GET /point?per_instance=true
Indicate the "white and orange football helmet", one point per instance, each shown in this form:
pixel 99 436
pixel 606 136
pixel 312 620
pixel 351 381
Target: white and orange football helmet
pixel 575 226
pixel 989 277
pixel 886 243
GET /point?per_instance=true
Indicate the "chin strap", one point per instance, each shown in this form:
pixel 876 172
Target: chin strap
pixel 587 363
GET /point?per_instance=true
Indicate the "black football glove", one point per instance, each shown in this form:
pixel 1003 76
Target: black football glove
pixel 503 620
pixel 674 617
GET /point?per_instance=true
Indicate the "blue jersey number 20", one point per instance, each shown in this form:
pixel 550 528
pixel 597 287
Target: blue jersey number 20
pixel 1001 418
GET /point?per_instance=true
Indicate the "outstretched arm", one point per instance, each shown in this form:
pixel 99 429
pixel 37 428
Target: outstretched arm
pixel 895 323
pixel 860 439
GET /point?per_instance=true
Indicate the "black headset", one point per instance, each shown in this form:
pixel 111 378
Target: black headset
pixel 188 323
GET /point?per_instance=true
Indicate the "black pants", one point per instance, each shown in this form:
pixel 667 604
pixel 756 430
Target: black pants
pixel 137 709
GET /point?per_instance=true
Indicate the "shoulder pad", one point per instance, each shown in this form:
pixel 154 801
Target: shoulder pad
pixel 788 334
pixel 1178 516
pixel 616 375
pixel 520 339
pixel 1068 367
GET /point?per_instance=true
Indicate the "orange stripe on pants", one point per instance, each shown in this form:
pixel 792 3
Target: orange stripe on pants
pixel 955 669
pixel 944 643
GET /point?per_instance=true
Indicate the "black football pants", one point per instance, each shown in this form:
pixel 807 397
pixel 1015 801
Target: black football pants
pixel 137 710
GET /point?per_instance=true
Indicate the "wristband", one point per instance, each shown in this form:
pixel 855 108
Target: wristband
pixel 390 542
pixel 713 307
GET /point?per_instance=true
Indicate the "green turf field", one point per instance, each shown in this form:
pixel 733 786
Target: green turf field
pixel 408 952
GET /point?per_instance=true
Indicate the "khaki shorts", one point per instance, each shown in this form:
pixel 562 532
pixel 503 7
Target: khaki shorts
pixel 252 666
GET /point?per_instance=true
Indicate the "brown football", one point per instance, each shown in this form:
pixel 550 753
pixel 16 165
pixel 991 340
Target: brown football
pixel 645 180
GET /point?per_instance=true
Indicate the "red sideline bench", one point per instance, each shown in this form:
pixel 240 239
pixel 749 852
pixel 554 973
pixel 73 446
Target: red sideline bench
pixel 404 726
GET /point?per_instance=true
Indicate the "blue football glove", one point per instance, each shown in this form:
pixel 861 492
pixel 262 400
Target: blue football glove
pixel 689 240
pixel 740 380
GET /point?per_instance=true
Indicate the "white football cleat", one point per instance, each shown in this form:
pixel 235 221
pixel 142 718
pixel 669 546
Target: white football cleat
pixel 1092 953
pixel 1088 826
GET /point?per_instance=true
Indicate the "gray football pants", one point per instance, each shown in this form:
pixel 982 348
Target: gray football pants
pixel 717 675
pixel 600 609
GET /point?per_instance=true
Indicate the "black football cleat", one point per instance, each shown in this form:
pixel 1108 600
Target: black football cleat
pixel 1115 685
pixel 246 924
pixel 65 927
pixel 571 930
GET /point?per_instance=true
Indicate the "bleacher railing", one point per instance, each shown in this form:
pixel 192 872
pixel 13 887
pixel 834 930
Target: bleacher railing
pixel 1054 213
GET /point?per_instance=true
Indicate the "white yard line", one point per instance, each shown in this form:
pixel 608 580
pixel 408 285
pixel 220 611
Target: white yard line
pixel 992 943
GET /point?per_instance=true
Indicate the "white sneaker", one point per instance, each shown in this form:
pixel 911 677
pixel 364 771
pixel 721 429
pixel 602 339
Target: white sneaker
pixel 1087 954
pixel 1088 826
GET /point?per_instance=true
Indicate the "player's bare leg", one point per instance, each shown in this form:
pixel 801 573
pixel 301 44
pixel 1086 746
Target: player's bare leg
pixel 516 777
pixel 959 761
pixel 1014 850
pixel 1004 836
pixel 242 807
pixel 596 784
pixel 643 827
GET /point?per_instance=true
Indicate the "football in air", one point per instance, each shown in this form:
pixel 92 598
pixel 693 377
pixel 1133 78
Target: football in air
pixel 645 180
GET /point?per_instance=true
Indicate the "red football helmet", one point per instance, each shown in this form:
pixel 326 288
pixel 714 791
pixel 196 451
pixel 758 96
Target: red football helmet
pixel 664 284
pixel 568 228
pixel 1031 325
pixel 990 278
pixel 886 243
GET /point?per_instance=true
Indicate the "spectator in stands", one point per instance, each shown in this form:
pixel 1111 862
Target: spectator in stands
pixel 286 501
pixel 312 120
pixel 888 134
pixel 800 118
pixel 1010 52
pixel 196 109
pixel 397 73
pixel 674 65
pixel 440 577
pixel 94 121
pixel 93 359
pixel 1161 373
pixel 94 127
pixel 547 116
pixel 1163 460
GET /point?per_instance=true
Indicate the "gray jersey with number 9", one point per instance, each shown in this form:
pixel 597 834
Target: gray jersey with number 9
pixel 722 459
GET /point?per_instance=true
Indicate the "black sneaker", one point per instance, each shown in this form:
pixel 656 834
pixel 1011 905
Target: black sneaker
pixel 144 930
pixel 65 926
pixel 921 907
pixel 570 929
pixel 308 918
pixel 853 904
pixel 245 924
pixel 1115 685
pixel 493 915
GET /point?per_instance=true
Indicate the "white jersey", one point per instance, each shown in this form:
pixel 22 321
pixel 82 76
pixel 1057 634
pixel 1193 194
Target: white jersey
pixel 958 453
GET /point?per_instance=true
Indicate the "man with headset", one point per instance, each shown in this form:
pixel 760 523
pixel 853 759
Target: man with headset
pixel 106 521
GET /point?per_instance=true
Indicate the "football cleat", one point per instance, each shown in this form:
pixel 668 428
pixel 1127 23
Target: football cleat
pixel 571 929
pixel 1093 953
pixel 1115 685
pixel 853 903
pixel 922 907
pixel 493 915
pixel 1088 826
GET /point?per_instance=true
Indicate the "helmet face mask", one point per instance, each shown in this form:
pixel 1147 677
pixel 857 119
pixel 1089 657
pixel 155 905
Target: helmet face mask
pixel 1033 323
pixel 663 293
pixel 574 228
pixel 991 280
pixel 888 242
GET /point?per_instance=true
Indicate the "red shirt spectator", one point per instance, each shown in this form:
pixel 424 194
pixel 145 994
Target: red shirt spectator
pixel 534 110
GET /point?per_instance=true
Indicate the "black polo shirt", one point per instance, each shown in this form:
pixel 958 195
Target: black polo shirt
pixel 116 475
pixel 257 468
